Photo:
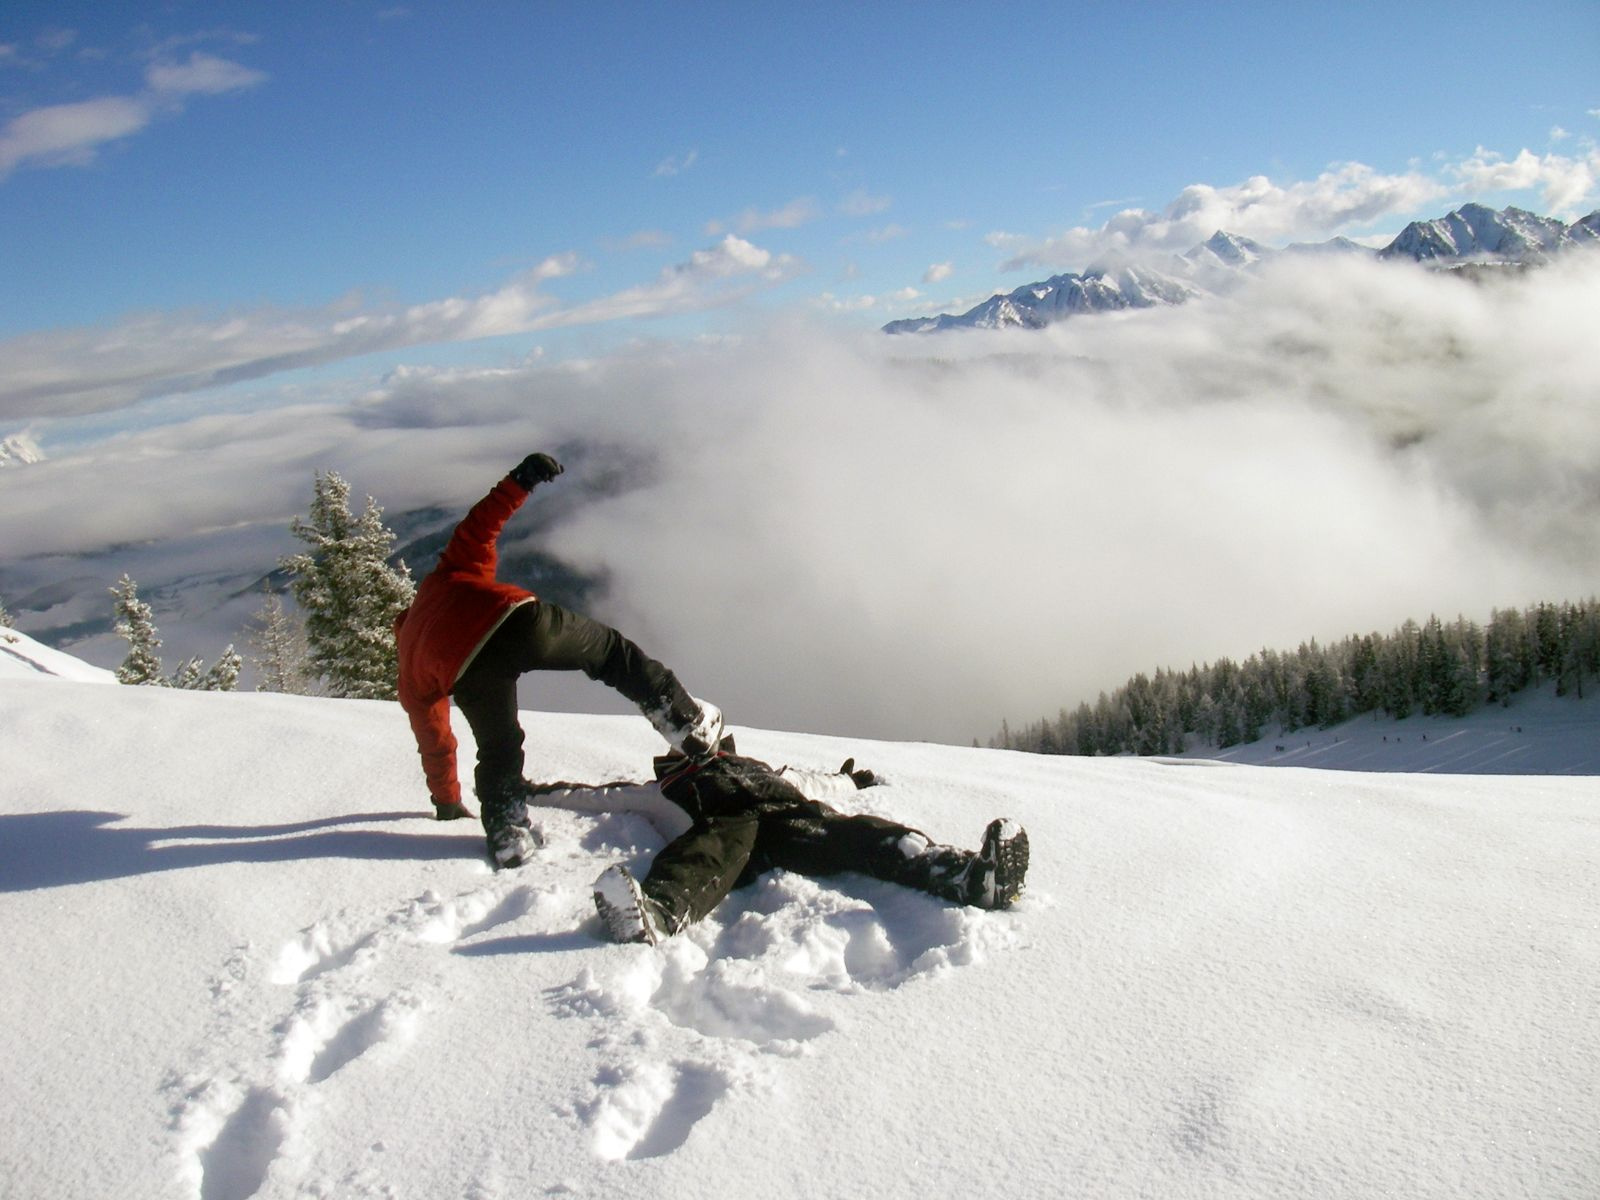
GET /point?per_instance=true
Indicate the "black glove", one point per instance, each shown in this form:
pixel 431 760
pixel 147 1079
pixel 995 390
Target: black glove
pixel 860 776
pixel 536 468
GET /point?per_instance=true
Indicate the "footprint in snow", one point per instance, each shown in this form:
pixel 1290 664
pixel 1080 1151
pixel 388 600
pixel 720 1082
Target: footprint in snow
pixel 647 1110
pixel 690 1017
pixel 233 1162
pixel 233 1125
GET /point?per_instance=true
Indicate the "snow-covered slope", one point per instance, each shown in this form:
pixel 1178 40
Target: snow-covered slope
pixel 1539 733
pixel 21 656
pixel 240 962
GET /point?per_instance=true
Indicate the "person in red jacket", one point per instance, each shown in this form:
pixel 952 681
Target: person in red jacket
pixel 469 635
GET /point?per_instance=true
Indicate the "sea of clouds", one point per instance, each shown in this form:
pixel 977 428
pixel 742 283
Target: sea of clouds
pixel 916 537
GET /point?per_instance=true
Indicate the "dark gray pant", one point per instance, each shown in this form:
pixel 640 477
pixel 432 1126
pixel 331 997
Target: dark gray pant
pixel 540 636
pixel 749 820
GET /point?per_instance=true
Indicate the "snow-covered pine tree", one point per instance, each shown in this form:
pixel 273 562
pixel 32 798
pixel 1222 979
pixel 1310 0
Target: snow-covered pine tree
pixel 135 622
pixel 6 619
pixel 349 593
pixel 223 675
pixel 187 677
pixel 281 658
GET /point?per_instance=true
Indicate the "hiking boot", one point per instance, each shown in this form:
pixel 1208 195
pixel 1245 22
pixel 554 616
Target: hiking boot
pixel 994 877
pixel 629 915
pixel 697 734
pixel 505 822
pixel 702 739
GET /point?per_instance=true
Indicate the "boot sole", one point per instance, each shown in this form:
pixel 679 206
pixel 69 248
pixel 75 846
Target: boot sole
pixel 1005 843
pixel 621 906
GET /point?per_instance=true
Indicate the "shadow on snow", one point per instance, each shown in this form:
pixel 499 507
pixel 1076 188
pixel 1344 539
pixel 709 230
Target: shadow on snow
pixel 58 849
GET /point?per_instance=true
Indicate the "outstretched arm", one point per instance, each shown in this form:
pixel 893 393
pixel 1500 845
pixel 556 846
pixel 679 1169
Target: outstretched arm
pixel 830 785
pixel 472 546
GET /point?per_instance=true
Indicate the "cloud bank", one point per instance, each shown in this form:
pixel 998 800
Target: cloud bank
pixel 920 537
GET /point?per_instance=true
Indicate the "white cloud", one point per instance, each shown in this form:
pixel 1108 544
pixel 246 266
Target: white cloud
pixel 1346 195
pixel 77 371
pixel 1565 184
pixel 938 272
pixel 719 275
pixel 861 203
pixel 828 302
pixel 887 233
pixel 71 134
pixel 202 75
pixel 54 41
pixel 797 212
pixel 675 164
pixel 644 239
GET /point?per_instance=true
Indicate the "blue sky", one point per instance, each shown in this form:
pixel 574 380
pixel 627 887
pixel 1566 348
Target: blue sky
pixel 327 187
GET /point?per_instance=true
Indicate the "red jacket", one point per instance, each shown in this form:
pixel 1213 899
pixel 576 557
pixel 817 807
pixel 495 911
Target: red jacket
pixel 456 608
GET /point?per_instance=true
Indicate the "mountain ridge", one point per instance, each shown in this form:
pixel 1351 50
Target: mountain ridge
pixel 1472 235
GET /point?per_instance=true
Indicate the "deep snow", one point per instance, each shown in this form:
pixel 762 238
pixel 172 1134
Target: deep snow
pixel 241 962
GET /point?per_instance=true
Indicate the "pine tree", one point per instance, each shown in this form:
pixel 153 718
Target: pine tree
pixel 6 619
pixel 1508 663
pixel 1578 648
pixel 135 622
pixel 349 593
pixel 1544 635
pixel 223 675
pixel 188 676
pixel 281 657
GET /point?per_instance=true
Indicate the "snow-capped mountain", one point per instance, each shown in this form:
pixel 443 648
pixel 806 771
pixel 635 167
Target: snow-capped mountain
pixel 1228 250
pixel 1475 233
pixel 1471 234
pixel 1036 305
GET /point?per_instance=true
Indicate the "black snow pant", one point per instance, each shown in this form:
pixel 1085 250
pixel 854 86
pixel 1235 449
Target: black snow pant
pixel 749 820
pixel 540 636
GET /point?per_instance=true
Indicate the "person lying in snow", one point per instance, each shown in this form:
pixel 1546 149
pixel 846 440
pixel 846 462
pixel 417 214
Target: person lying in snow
pixel 469 635
pixel 747 818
